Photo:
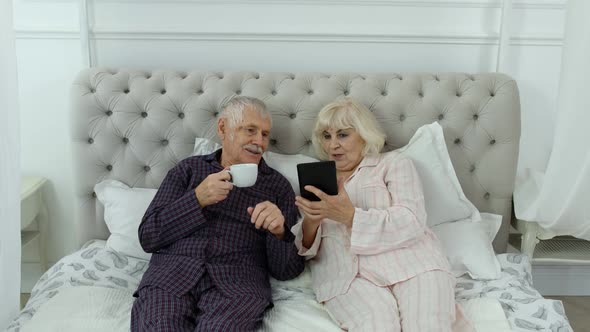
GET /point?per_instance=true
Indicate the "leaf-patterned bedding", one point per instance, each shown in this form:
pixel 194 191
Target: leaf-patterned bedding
pixel 96 265
pixel 93 265
pixel 525 308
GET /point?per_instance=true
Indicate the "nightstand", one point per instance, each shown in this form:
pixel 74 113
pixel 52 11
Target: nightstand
pixel 34 215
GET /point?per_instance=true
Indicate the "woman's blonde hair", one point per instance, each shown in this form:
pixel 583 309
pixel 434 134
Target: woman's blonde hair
pixel 348 113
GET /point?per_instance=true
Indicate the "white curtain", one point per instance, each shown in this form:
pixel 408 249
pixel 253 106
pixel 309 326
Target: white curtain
pixel 559 198
pixel 9 172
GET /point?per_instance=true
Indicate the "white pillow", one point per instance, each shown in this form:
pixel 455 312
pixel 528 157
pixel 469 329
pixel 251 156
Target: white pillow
pixel 204 146
pixel 468 246
pixel 285 164
pixel 443 196
pixel 124 208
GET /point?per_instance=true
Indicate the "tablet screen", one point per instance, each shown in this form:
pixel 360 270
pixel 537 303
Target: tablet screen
pixel 321 174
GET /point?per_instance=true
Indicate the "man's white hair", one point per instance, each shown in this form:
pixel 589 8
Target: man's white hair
pixel 233 111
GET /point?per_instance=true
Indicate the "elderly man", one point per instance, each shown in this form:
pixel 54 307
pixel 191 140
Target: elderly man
pixel 215 244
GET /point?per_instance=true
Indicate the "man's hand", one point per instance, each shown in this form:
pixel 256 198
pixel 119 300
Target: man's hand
pixel 268 216
pixel 214 188
pixel 338 207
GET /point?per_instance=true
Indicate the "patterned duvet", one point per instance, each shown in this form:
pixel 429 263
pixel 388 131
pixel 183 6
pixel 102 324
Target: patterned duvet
pixel 95 265
pixel 523 305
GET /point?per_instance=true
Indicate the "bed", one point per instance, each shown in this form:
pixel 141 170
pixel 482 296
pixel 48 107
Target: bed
pixel 132 126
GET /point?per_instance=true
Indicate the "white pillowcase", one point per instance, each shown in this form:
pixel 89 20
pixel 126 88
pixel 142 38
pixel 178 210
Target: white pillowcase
pixel 286 164
pixel 204 146
pixel 466 237
pixel 443 195
pixel 124 208
pixel 283 163
pixel 468 246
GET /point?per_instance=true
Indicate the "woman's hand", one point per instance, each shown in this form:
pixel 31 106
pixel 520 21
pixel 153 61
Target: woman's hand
pixel 338 207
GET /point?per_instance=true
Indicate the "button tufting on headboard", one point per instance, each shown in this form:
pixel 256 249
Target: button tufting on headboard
pixel 185 111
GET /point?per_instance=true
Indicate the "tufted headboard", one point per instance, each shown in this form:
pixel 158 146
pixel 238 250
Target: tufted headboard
pixel 135 125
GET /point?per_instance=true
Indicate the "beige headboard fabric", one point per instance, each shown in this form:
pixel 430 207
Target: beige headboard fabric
pixel 135 125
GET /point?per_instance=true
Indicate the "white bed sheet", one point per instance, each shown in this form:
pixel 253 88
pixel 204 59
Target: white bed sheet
pixel 93 308
pixel 110 279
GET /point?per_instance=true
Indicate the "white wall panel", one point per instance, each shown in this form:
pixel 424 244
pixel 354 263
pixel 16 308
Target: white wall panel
pixel 548 23
pixel 270 35
pixel 319 19
pixel 294 56
pixel 45 16
pixel 46 69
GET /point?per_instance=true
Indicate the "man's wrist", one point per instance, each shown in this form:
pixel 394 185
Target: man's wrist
pixel 280 236
pixel 286 236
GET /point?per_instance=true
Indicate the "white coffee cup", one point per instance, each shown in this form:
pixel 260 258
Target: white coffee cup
pixel 243 175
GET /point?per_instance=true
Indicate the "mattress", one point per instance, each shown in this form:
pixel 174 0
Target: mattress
pixel 93 288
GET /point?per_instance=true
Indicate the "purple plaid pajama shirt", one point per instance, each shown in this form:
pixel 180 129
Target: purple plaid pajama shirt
pixel 209 268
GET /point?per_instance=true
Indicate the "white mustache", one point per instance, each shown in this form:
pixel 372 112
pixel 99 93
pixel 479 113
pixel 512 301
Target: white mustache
pixel 253 148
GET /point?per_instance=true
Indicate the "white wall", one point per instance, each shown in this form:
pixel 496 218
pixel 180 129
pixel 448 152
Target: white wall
pixel 271 35
pixel 9 172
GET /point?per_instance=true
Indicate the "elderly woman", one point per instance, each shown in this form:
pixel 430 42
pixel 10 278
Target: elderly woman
pixel 375 264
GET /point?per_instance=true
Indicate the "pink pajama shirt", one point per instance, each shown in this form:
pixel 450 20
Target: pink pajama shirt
pixel 389 263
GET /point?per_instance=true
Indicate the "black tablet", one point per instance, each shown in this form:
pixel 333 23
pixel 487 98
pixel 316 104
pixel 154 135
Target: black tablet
pixel 321 174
